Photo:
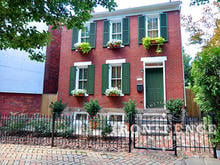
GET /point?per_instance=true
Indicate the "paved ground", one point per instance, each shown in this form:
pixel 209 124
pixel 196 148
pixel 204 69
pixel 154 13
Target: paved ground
pixel 24 154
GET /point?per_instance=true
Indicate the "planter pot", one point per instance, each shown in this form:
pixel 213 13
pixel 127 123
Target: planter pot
pixel 80 95
pixel 178 127
pixel 113 95
pixel 127 125
pixel 153 42
pixel 93 124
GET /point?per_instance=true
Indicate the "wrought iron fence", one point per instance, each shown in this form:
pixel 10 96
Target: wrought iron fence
pixel 146 131
pixel 71 131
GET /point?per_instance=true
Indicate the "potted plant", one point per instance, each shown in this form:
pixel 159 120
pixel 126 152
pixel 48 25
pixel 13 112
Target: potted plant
pixel 130 111
pixel 92 108
pixel 175 107
pixel 148 42
pixel 114 91
pixel 57 107
pixel 83 47
pixel 79 92
pixel 113 44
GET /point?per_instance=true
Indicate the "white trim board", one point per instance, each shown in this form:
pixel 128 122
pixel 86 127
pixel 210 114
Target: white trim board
pixel 148 60
pixel 116 61
pixel 159 7
pixel 82 63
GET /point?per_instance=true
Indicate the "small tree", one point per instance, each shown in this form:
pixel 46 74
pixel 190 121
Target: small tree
pixel 130 109
pixel 187 69
pixel 206 74
pixel 58 107
pixel 92 107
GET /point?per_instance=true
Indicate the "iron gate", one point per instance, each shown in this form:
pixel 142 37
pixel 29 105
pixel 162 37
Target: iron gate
pixel 166 132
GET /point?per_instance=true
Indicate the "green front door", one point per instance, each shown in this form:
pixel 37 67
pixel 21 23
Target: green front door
pixel 154 88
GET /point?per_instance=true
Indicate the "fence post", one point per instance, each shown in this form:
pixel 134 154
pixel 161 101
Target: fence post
pixel 174 135
pixel 53 127
pixel 130 123
pixel 214 123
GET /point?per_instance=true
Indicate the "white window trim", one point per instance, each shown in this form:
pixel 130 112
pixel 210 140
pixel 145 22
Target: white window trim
pixel 150 60
pixel 116 62
pixel 81 64
pixel 116 20
pixel 116 114
pixel 78 66
pixel 80 32
pixel 146 23
pixel 76 113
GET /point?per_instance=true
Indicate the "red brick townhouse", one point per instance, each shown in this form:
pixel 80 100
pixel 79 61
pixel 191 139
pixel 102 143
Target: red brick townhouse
pixel 146 76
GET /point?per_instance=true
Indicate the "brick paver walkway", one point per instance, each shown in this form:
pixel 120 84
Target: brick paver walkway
pixel 24 154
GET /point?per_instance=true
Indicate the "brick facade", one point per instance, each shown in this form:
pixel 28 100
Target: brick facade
pixel 52 63
pixel 18 102
pixel 133 54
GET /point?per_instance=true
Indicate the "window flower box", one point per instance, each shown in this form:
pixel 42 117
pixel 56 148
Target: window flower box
pixel 83 47
pixel 113 92
pixel 148 42
pixel 114 44
pixel 79 92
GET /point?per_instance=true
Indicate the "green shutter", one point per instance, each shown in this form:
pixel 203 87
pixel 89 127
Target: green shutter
pixel 105 77
pixel 74 37
pixel 105 33
pixel 125 32
pixel 141 28
pixel 125 78
pixel 91 78
pixel 164 26
pixel 92 34
pixel 72 80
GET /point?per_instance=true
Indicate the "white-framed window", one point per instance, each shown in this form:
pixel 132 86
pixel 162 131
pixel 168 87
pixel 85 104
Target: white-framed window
pixel 81 74
pixel 116 75
pixel 81 116
pixel 116 118
pixel 153 26
pixel 116 29
pixel 84 34
pixel 82 78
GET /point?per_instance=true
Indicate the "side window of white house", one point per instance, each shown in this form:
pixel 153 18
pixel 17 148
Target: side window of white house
pixel 153 27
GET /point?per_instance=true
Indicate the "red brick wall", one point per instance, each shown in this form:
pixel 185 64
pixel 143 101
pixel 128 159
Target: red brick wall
pixel 23 103
pixel 52 63
pixel 132 54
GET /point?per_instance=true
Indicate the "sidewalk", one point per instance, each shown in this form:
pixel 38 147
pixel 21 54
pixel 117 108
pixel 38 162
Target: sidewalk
pixel 11 154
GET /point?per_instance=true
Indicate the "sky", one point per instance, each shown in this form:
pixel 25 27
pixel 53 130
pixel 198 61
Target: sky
pixel 186 9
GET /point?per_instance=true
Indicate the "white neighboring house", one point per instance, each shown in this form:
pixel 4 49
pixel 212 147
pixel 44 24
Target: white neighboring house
pixel 18 74
pixel 21 80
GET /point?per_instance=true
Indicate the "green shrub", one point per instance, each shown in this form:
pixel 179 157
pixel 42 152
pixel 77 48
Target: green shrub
pixel 41 126
pixel 175 107
pixel 106 128
pixel 15 123
pixel 92 108
pixel 130 109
